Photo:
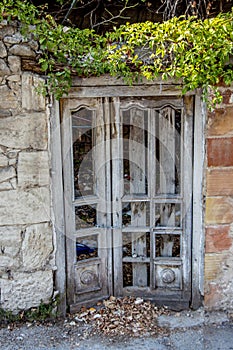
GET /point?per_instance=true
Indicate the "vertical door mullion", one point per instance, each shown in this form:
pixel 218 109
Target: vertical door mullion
pixel 108 205
pixel 187 189
pixel 117 193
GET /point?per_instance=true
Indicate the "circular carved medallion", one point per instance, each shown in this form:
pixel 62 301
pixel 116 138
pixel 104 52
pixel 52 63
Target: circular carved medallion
pixel 88 277
pixel 168 276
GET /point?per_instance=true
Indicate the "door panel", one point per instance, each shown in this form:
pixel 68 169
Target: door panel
pixel 128 187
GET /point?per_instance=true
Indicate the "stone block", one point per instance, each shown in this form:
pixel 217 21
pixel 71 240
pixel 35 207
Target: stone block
pixel 217 239
pixel 10 242
pixel 37 246
pixel 3 51
pixel 14 64
pixel 24 131
pixel 4 69
pixel 6 186
pixel 6 29
pixel 219 182
pixel 33 169
pixel 219 210
pixel 7 173
pixel 26 290
pixel 8 99
pixel 22 50
pixel 25 207
pixel 220 151
pixel 213 266
pixel 220 122
pixel 31 99
pixel 3 160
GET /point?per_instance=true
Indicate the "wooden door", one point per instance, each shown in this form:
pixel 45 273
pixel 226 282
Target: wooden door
pixel 128 187
pixel 152 194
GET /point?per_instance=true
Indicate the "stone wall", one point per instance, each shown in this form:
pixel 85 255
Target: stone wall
pixel 219 206
pixel 26 236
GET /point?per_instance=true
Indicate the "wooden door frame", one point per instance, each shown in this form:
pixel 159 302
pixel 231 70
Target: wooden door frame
pixel 110 87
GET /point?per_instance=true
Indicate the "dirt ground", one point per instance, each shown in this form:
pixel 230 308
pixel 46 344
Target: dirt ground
pixel 186 330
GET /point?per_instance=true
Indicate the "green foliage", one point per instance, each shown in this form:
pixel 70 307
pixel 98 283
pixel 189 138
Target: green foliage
pixel 197 52
pixel 41 313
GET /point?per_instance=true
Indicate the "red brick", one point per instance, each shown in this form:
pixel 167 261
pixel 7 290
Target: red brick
pixel 219 182
pixel 220 151
pixel 218 239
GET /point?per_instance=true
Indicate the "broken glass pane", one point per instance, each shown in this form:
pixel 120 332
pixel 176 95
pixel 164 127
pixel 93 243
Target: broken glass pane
pixel 168 214
pixel 85 216
pixel 82 132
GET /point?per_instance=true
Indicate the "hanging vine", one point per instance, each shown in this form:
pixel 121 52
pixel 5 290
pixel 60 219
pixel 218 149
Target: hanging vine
pixel 197 52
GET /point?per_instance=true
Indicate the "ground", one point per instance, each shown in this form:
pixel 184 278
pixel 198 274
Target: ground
pixel 186 330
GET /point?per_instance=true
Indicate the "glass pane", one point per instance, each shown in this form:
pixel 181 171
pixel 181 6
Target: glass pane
pixel 136 244
pixel 168 151
pixel 82 156
pixel 87 247
pixel 167 245
pixel 136 214
pixel 135 142
pixel 136 274
pixel 85 216
pixel 167 214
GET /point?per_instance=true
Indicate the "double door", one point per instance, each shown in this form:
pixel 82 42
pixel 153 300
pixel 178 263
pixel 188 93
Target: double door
pixel 127 167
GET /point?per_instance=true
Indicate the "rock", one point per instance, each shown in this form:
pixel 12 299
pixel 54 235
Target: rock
pixel 33 169
pixel 24 131
pixel 14 64
pixel 22 50
pixel 7 173
pixel 4 69
pixel 37 246
pixel 3 50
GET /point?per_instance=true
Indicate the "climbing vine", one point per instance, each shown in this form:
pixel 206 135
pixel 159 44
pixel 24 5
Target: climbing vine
pixel 197 52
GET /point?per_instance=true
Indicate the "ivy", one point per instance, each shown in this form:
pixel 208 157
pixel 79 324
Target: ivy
pixel 196 52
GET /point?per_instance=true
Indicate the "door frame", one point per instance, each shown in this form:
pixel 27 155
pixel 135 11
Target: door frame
pixel 110 87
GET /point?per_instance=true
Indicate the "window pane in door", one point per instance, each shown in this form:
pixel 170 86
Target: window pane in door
pixel 82 132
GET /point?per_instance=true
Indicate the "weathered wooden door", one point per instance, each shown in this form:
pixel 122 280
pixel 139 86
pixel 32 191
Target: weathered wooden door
pixel 128 189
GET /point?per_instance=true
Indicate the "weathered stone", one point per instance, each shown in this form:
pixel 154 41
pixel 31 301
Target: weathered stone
pixel 12 39
pixel 22 50
pixel 14 78
pixel 219 210
pixel 10 242
pixel 8 99
pixel 213 266
pixel 6 30
pixel 220 151
pixel 12 154
pixel 7 173
pixel 37 246
pixel 219 182
pixel 14 64
pixel 3 160
pixel 26 290
pixel 24 131
pixel 3 51
pixel 220 122
pixel 6 186
pixel 31 99
pixel 4 69
pixel 217 239
pixel 25 207
pixel 33 44
pixel 5 113
pixel 33 168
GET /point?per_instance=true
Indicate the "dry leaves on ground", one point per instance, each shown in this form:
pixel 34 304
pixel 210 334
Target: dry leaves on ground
pixel 123 316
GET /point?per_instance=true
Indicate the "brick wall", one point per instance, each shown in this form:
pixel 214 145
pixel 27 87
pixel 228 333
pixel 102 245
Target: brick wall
pixel 219 206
